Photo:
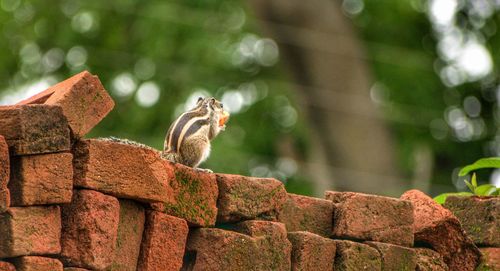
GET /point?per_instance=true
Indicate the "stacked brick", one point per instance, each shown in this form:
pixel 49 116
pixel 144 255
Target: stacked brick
pixel 74 204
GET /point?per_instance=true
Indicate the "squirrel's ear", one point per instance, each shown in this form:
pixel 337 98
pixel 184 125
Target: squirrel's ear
pixel 200 99
pixel 212 101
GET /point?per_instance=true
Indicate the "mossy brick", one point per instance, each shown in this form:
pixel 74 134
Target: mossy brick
pixel 37 263
pixel 243 198
pixel 4 175
pixel 302 213
pixel 34 129
pixel 429 260
pixel 163 242
pixel 89 230
pixel 30 230
pixel 490 261
pixel 41 179
pixel 394 257
pixel 194 196
pixel 271 239
pixel 128 242
pixel 122 170
pixel 6 266
pixel 311 251
pixel 354 256
pixel 218 249
pixel 479 216
pixel 372 218
pixel 436 227
pixel 83 100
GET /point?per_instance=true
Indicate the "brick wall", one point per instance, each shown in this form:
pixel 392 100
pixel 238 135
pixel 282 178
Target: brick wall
pixel 68 203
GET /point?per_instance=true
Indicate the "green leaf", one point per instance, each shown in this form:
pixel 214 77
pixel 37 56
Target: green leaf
pixel 470 186
pixel 491 162
pixel 485 190
pixel 473 180
pixel 442 198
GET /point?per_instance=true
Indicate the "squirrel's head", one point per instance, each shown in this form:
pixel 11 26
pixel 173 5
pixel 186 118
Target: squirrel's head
pixel 215 106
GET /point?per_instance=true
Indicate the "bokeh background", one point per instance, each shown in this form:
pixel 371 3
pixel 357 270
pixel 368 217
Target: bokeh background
pixel 371 96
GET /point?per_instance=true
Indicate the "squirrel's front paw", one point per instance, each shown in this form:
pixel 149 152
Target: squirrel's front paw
pixel 206 170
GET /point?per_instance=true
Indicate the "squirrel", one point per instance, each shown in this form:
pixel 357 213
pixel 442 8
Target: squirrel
pixel 188 139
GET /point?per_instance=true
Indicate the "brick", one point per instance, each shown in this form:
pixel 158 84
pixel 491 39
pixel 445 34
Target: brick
pixel 437 227
pixel 5 266
pixel 243 198
pixel 37 263
pixel 89 230
pixel 30 230
pixel 353 256
pixel 128 242
pixel 34 129
pixel 4 175
pixel 490 259
pixel 122 170
pixel 311 251
pixel 479 217
pixel 302 213
pixel 371 218
pixel 41 179
pixel 271 239
pixel 83 100
pixel 194 196
pixel 429 260
pixel 75 269
pixel 394 257
pixel 163 242
pixel 218 249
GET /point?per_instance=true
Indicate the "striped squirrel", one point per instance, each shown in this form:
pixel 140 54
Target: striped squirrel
pixel 188 138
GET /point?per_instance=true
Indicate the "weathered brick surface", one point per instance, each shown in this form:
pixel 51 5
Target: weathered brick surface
pixel 41 179
pixel 4 175
pixel 75 269
pixel 311 251
pixel 30 230
pixel 429 260
pixel 128 242
pixel 83 99
pixel 194 196
pixel 5 266
pixel 302 213
pixel 394 257
pixel 163 243
pixel 122 170
pixel 370 217
pixel 34 129
pixel 439 228
pixel 37 263
pixel 353 256
pixel 479 216
pixel 90 225
pixel 490 260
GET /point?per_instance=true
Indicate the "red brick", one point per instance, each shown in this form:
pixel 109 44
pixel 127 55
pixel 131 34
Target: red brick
pixel 89 230
pixel 5 266
pixel 394 257
pixel 4 199
pixel 353 256
pixel 75 269
pixel 122 170
pixel 34 129
pixel 479 216
pixel 83 99
pixel 4 175
pixel 271 239
pixel 429 260
pixel 30 230
pixel 128 242
pixel 437 227
pixel 36 263
pixel 41 179
pixel 311 251
pixel 194 196
pixel 302 213
pixel 218 249
pixel 371 218
pixel 242 198
pixel 490 259
pixel 163 242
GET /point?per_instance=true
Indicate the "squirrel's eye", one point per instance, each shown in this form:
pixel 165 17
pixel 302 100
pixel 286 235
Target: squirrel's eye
pixel 221 106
